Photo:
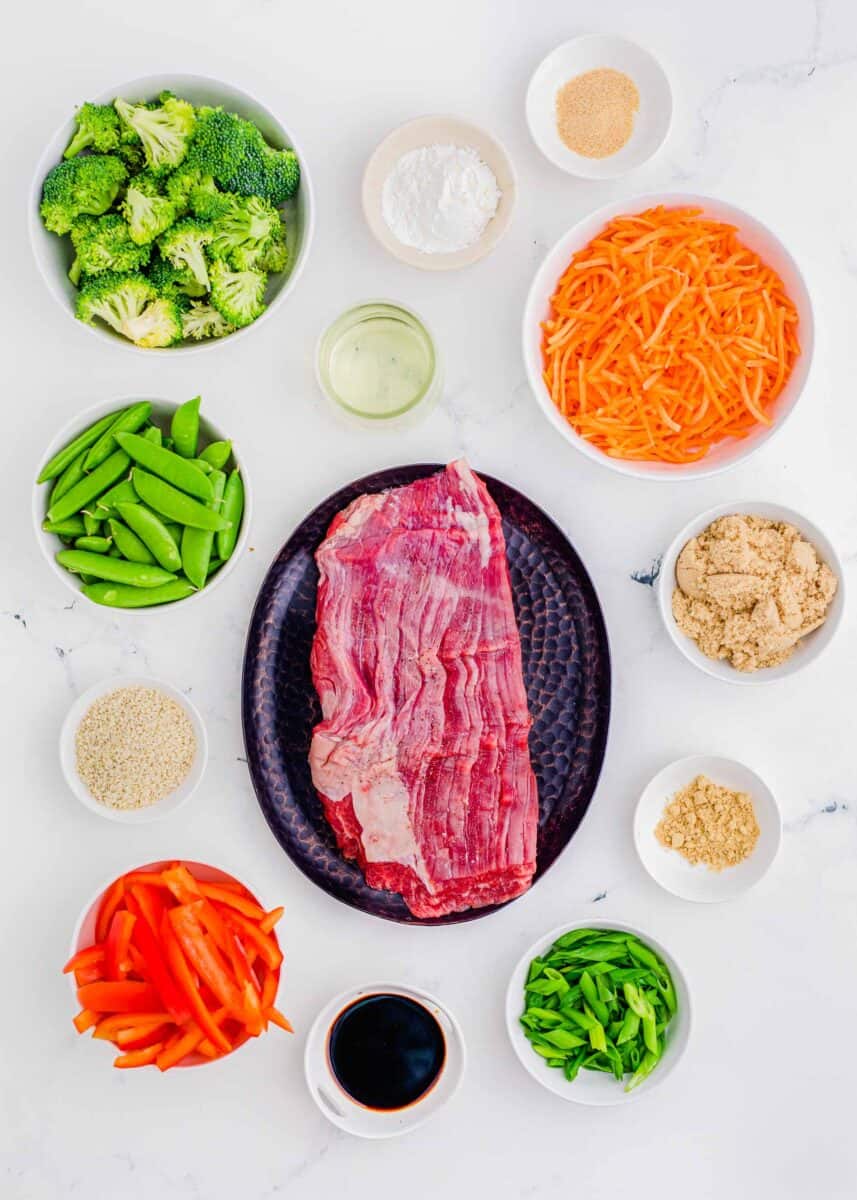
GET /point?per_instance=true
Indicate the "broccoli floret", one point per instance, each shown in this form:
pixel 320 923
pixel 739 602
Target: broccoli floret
pixel 79 230
pixel 237 295
pixel 97 126
pixel 158 325
pixel 130 150
pixel 164 131
pixel 242 232
pixel 116 299
pixel 106 245
pixel 185 184
pixel 80 185
pixel 203 321
pixel 184 245
pixel 275 254
pixel 236 155
pixel 147 212
pixel 173 282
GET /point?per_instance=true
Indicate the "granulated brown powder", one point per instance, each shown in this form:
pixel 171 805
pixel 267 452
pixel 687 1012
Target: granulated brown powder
pixel 709 824
pixel 595 112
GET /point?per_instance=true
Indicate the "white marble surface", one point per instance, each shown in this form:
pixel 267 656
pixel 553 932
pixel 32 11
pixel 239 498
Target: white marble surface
pixel 763 1105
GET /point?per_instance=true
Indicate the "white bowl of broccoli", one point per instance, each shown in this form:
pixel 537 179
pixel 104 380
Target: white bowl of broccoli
pixel 170 213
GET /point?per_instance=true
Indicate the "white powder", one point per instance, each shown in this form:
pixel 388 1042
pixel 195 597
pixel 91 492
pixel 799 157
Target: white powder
pixel 439 199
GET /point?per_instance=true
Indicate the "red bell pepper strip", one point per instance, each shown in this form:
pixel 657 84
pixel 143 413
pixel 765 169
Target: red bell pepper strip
pixel 89 957
pixel 270 919
pixel 157 971
pixel 112 899
pixel 184 977
pixel 182 884
pixel 149 903
pixel 249 908
pixel 139 1058
pixel 203 955
pixel 270 983
pixel 88 975
pixel 208 1049
pixel 147 878
pixel 108 1027
pixel 126 996
pixel 85 1019
pixel 264 944
pixel 122 925
pixel 132 1039
pixel 277 1017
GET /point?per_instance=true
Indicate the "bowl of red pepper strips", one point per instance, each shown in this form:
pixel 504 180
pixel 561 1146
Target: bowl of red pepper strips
pixel 175 964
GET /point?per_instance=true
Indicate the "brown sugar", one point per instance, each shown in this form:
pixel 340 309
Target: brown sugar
pixel 709 824
pixel 595 112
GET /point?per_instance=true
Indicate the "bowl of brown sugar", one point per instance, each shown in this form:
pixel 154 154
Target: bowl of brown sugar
pixel 599 106
pixel 707 828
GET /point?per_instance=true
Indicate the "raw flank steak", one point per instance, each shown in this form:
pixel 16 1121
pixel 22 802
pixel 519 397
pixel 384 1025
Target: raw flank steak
pixel 421 758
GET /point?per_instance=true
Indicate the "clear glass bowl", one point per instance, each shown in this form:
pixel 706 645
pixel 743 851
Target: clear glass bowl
pixel 378 362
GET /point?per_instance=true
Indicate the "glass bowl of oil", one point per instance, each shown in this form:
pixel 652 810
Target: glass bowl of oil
pixel 378 362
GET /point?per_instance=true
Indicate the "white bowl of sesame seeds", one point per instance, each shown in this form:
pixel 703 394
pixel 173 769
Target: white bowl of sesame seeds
pixel 133 749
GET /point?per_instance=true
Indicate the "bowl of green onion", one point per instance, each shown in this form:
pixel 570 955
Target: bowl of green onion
pixel 598 1013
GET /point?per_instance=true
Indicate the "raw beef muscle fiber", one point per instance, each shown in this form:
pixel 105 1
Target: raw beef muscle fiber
pixel 421 758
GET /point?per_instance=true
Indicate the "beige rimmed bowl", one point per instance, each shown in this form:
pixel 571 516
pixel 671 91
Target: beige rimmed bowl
pixel 438 131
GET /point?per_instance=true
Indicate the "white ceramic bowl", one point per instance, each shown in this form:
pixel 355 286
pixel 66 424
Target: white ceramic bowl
pixel 54 254
pixel 589 53
pixel 669 868
pixel 807 649
pixel 757 237
pixel 345 1112
pixel 68 754
pixel 83 935
pixel 162 411
pixel 431 131
pixel 594 1087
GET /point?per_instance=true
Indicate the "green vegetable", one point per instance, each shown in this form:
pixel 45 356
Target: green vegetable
pixel 243 231
pixel 122 493
pixel 147 211
pixel 184 430
pixel 117 570
pixel 73 473
pixel 232 510
pixel 599 1000
pixel 197 544
pixel 97 127
pixel 106 245
pixel 235 154
pixel 71 527
pixel 239 296
pixel 184 244
pixel 97 545
pixel 91 524
pixel 80 185
pixel 128 544
pixel 127 421
pixel 82 442
pixel 153 435
pixel 90 486
pixel 117 596
pixel 119 300
pixel 164 130
pixel 167 465
pixel 202 321
pixel 176 505
pixel 216 454
pixel 150 529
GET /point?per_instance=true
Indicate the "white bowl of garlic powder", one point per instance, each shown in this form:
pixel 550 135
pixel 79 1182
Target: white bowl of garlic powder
pixel 438 193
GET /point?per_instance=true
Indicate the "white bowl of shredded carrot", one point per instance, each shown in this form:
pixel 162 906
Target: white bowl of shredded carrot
pixel 668 337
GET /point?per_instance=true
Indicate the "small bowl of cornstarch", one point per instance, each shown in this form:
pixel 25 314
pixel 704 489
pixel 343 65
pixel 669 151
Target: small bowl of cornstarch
pixel 133 749
pixel 438 193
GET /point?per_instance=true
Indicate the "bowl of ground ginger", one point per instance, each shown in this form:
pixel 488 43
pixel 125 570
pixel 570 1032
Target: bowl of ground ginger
pixel 751 592
pixel 707 828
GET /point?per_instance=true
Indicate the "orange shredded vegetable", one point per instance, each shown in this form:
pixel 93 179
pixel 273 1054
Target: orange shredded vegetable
pixel 667 335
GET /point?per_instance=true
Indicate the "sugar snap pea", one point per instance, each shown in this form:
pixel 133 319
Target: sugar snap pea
pixel 128 544
pixel 217 454
pixel 73 473
pixel 202 465
pixel 232 510
pixel 128 420
pixel 119 596
pixel 71 527
pixel 149 527
pixel 180 472
pixel 197 543
pixel 97 545
pixel 90 486
pixel 91 524
pixel 153 435
pixel 117 570
pixel 176 505
pixel 56 465
pixel 184 428
pixel 121 493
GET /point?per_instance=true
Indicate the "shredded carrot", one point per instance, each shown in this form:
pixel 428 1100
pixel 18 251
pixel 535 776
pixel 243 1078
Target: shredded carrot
pixel 667 335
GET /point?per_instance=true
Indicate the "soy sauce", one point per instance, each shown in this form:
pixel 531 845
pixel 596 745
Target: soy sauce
pixel 386 1051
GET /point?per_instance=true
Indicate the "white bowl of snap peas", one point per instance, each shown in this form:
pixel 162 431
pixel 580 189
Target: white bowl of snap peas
pixel 149 571
pixel 669 1011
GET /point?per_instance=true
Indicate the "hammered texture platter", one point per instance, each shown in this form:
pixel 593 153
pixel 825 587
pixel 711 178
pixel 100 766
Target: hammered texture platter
pixel 566 672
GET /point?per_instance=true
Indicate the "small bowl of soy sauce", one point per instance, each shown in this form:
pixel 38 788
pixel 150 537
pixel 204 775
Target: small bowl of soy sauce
pixel 381 1059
